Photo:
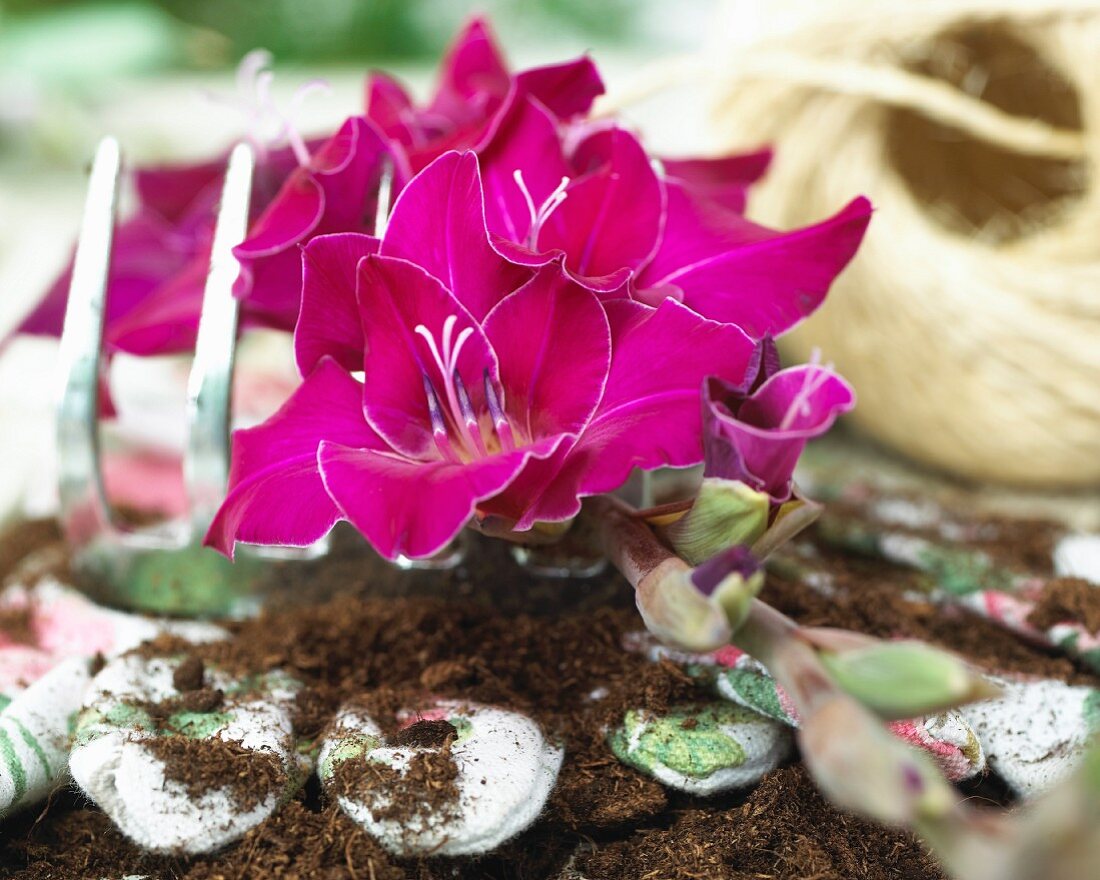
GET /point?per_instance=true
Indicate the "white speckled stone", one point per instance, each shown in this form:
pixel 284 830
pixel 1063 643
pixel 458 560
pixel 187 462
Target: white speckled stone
pixel 506 771
pixel 110 763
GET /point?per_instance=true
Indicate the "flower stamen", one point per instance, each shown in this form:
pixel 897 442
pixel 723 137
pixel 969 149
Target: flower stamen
pixel 501 424
pixel 800 403
pixel 469 419
pixel 267 125
pixel 439 423
pixel 540 214
pixel 459 409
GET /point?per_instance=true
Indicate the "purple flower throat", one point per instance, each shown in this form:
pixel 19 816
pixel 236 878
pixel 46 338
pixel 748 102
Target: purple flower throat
pixel 456 427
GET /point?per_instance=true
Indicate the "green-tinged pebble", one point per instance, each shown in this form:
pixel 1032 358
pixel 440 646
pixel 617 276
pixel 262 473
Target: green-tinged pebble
pixel 686 741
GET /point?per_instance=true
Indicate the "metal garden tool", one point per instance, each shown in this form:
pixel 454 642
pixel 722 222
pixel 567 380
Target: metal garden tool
pixel 162 568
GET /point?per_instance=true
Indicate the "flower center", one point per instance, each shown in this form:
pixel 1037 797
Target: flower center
pixel 456 426
pixel 541 213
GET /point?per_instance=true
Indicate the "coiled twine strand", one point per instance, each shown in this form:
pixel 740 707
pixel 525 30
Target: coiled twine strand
pixel 970 320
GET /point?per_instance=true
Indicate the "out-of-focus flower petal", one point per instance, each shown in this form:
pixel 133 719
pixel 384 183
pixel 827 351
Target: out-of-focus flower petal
pixel 166 320
pixel 724 179
pixel 335 193
pixel 473 67
pixel 566 90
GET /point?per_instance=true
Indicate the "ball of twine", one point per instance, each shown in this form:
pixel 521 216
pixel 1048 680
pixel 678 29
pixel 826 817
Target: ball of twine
pixel 970 321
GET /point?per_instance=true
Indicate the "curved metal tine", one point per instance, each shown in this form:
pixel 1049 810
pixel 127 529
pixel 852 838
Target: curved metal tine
pixel 210 384
pixel 85 512
pixel 385 197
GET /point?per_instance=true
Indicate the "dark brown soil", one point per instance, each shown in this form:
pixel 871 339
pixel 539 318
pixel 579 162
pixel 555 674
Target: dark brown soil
pixel 249 775
pixel 783 829
pixel 426 787
pixel 1020 545
pixel 885 601
pixel 390 640
pixel 201 700
pixel 1068 599
pixel 20 540
pixel 425 735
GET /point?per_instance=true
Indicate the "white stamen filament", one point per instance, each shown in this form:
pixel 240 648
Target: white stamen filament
pixel 539 215
pixel 267 124
pixel 800 403
pixel 446 360
pixel 459 414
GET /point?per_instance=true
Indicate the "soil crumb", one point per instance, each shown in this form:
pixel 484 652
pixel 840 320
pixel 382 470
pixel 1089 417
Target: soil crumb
pixel 189 674
pixel 20 540
pixel 17 625
pixel 425 734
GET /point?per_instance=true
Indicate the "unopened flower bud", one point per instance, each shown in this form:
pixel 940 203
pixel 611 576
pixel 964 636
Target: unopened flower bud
pixel 863 768
pixel 906 678
pixel 725 513
pixel 699 609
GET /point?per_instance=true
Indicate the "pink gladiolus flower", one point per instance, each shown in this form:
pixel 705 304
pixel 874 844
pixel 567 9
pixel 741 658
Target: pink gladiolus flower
pixel 475 90
pixel 725 179
pixel 624 228
pixel 557 187
pixel 755 432
pixel 487 389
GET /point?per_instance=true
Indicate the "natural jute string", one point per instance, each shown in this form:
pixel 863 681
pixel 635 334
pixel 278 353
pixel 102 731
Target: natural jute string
pixel 970 321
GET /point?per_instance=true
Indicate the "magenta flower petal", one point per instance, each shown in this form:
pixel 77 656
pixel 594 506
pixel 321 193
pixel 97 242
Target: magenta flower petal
pixel 649 415
pixel 473 67
pixel 328 323
pixel 145 254
pixel 294 214
pixel 389 107
pixel 734 271
pixel 526 141
pixel 395 298
pixel 336 193
pixel 277 461
pixel 553 343
pixel 165 321
pixel 438 223
pixel 725 179
pixel 566 89
pixel 758 438
pixel 610 220
pixel 413 508
pixel 171 190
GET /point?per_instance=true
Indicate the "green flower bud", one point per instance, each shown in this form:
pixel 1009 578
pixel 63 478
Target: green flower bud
pixel 906 679
pixel 725 513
